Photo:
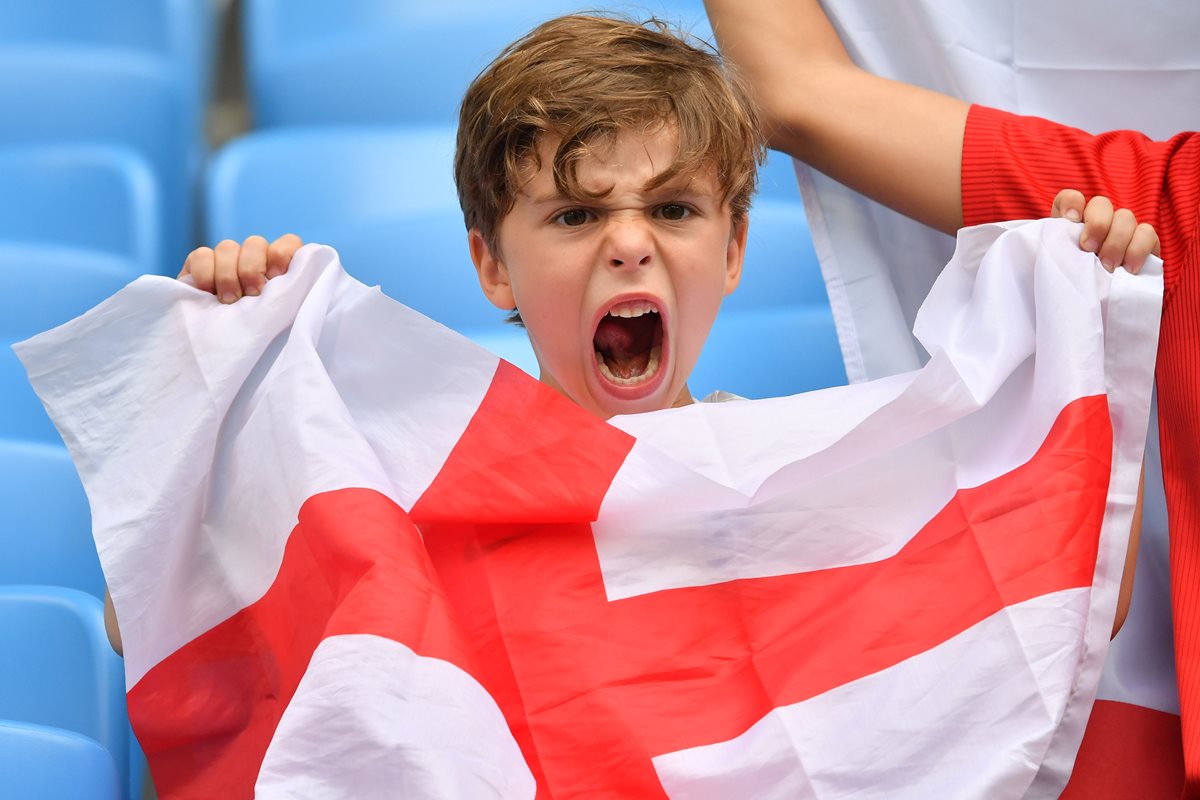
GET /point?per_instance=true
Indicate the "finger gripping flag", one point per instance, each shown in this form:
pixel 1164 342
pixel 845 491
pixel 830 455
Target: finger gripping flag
pixel 355 556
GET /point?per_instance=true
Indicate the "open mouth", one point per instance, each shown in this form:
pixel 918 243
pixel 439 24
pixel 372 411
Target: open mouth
pixel 629 342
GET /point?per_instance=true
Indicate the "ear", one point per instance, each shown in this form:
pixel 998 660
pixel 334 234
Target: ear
pixel 493 275
pixel 735 254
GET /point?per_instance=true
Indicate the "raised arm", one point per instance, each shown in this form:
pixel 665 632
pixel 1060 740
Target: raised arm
pixel 896 143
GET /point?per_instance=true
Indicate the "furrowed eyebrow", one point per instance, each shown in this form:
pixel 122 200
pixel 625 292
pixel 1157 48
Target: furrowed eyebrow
pixel 682 190
pixel 549 199
pixel 680 186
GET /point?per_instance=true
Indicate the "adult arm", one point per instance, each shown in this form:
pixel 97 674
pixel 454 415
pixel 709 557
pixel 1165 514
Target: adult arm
pixel 897 143
pixel 935 158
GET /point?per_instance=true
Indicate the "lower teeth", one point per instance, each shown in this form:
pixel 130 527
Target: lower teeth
pixel 648 372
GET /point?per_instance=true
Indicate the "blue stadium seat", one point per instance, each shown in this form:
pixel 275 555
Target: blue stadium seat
pixel 781 268
pixel 775 335
pixel 56 95
pixel 45 523
pixel 77 222
pixel 180 33
pixel 389 61
pixel 21 412
pixel 46 763
pixel 50 285
pixel 384 198
pixel 57 668
pixel 270 181
pixel 83 197
pixel 777 179
pixel 770 353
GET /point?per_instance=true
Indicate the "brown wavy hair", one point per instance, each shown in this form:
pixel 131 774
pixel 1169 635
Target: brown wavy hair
pixel 584 80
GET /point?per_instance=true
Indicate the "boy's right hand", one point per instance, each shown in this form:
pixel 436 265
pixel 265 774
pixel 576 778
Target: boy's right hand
pixel 231 270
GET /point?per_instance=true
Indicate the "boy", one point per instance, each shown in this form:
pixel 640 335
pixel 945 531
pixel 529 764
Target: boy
pixel 605 171
pixel 606 203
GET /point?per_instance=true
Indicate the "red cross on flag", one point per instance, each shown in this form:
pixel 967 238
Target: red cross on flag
pixel 355 556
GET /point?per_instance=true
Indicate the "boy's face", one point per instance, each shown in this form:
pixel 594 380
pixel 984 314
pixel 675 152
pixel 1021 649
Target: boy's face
pixel 618 293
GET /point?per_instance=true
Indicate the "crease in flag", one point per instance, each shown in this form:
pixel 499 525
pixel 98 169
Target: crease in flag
pixel 353 555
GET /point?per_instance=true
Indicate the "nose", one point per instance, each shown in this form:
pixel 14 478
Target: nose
pixel 629 243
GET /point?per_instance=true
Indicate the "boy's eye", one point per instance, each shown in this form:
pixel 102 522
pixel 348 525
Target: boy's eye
pixel 573 217
pixel 674 212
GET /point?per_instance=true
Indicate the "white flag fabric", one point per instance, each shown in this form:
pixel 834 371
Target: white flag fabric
pixel 353 555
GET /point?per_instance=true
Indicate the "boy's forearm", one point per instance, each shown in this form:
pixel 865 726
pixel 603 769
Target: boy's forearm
pixel 110 624
pixel 896 143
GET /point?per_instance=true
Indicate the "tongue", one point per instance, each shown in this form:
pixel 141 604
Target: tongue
pixel 625 343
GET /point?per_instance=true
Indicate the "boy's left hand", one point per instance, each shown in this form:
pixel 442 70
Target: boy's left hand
pixel 231 270
pixel 1114 235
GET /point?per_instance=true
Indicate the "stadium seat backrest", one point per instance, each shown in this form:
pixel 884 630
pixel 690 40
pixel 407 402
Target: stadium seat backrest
pixel 45 523
pixel 781 268
pixel 77 222
pixel 770 353
pixel 179 32
pixel 47 763
pixel 775 335
pixel 57 668
pixel 777 179
pixel 22 416
pixel 117 98
pixel 385 199
pixel 268 181
pixel 57 284
pixel 86 197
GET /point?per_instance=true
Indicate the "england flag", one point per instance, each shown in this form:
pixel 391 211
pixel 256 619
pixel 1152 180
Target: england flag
pixel 353 555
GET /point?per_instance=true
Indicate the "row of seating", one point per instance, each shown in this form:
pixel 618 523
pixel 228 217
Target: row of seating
pixel 100 149
pixel 62 681
pixel 134 74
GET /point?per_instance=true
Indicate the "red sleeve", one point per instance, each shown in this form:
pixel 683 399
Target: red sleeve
pixel 1013 166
